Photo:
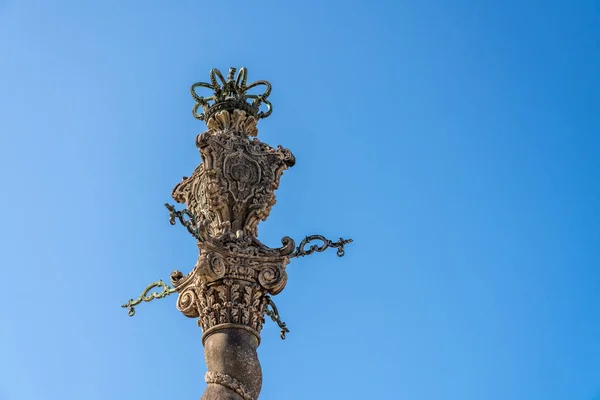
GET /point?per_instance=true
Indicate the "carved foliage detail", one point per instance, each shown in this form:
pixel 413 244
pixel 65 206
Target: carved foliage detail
pixel 232 302
pixel 226 287
pixel 234 188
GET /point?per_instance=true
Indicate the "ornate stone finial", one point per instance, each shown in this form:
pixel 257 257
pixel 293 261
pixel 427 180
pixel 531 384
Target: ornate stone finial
pixel 231 95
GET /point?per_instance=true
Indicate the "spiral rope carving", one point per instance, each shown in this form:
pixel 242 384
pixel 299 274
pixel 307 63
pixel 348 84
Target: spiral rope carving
pixel 229 382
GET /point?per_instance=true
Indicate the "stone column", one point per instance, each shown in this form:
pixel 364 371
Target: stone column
pixel 229 290
pixel 228 194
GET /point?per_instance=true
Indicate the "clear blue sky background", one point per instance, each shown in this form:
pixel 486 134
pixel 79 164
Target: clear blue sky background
pixel 456 141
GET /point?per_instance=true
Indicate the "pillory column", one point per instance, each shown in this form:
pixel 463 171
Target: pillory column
pixel 226 196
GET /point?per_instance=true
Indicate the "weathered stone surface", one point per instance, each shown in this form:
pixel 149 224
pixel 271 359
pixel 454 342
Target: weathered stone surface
pixel 226 197
pixel 233 189
pixel 231 352
pixel 230 192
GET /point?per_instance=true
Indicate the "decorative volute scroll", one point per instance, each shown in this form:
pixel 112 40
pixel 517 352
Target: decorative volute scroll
pixel 233 189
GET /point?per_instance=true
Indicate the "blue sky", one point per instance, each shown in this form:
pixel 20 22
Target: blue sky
pixel 456 142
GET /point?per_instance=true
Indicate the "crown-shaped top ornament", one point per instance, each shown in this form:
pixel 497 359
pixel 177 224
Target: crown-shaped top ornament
pixel 231 95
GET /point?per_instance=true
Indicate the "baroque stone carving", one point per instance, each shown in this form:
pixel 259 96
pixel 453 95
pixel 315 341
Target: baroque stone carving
pixel 229 289
pixel 234 187
pixel 226 197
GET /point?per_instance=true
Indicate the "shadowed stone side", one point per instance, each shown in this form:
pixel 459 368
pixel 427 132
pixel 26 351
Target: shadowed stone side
pixel 232 361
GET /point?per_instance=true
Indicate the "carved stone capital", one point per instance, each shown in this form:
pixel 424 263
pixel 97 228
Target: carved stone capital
pixel 230 287
pixel 228 194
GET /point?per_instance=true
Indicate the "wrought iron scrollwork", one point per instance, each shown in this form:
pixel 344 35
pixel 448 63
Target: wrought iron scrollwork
pixel 230 93
pixel 191 224
pixel 301 250
pixel 146 296
pixel 271 311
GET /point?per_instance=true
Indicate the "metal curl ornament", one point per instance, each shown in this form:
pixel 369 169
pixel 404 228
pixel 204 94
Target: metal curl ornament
pixel 229 94
pixel 190 224
pixel 274 314
pixel 301 250
pixel 166 291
